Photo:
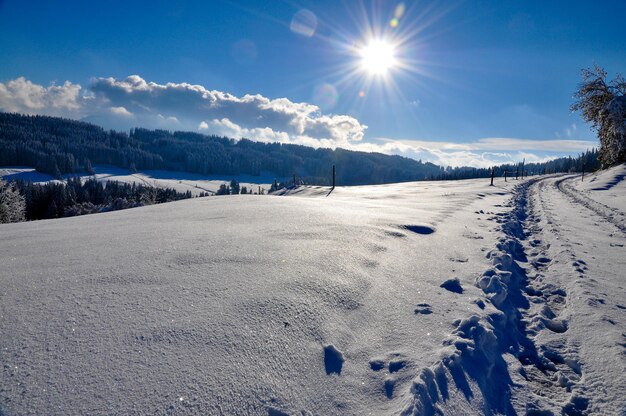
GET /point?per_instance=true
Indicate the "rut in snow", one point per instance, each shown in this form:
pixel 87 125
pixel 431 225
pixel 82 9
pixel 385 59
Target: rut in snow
pixel 611 215
pixel 490 352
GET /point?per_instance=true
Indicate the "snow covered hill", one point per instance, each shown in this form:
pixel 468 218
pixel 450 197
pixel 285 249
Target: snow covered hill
pixel 415 298
pixel 180 181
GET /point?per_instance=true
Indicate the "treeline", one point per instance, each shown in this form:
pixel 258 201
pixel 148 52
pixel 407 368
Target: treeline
pixel 588 161
pixel 75 197
pixel 59 146
pixel 235 189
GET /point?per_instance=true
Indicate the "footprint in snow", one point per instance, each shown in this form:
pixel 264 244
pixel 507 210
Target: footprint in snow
pixel 377 364
pixel 272 411
pixel 458 259
pixel 576 406
pixel 390 383
pixel 542 261
pixel 423 309
pixel 556 325
pixel 395 362
pixel 397 365
pixel 333 359
pixel 453 285
pixel 419 229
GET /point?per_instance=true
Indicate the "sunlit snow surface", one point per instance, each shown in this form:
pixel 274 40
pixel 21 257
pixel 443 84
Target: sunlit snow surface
pixel 319 303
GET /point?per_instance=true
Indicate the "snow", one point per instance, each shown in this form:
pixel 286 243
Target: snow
pixel 180 181
pixel 321 301
pixel 606 187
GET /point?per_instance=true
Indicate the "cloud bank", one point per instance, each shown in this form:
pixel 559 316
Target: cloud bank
pixel 135 102
pixel 21 95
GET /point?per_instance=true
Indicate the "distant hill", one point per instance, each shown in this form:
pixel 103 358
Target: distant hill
pixel 58 146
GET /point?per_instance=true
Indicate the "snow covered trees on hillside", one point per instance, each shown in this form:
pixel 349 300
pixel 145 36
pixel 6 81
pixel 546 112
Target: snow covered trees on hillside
pixel 12 205
pixel 59 146
pixel 604 106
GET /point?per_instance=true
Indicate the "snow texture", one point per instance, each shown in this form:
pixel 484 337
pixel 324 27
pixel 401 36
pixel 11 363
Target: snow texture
pixel 319 302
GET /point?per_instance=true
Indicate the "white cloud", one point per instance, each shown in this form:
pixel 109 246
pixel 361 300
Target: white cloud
pixel 121 111
pixel 192 104
pixel 506 144
pixel 133 102
pixel 23 96
pixel 225 127
pixel 484 152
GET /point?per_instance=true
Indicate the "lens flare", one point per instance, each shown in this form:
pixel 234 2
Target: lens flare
pixel 244 51
pixel 399 11
pixel 326 96
pixel 304 23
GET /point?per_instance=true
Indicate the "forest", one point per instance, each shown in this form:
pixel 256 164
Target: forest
pixel 75 197
pixel 59 146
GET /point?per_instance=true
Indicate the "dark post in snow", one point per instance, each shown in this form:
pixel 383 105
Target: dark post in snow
pixel 493 171
pixel 259 189
pixel 505 176
pixel 583 177
pixel 516 170
pixel 275 184
pixel 334 176
pixel 523 163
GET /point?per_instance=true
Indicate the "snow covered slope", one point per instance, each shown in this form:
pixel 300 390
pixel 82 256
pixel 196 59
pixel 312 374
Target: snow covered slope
pixel 180 181
pixel 606 187
pixel 415 298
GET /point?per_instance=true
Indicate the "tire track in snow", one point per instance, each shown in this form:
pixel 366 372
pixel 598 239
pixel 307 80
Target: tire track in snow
pixel 569 230
pixel 495 353
pixel 549 311
pixel 611 215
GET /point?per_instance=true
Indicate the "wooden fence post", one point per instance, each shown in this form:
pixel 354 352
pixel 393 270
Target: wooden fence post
pixel 583 177
pixel 334 176
pixel 493 171
pixel 505 176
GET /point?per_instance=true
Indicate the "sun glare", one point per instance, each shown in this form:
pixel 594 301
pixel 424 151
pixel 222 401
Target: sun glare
pixel 377 57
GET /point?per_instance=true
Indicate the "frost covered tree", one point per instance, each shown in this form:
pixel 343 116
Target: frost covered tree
pixel 12 205
pixel 604 106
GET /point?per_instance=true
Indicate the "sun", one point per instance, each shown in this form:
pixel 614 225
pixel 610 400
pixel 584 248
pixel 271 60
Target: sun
pixel 378 56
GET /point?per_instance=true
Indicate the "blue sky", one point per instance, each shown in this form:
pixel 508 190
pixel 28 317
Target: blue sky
pixel 475 82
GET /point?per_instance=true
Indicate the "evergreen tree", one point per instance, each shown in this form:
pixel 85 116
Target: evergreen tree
pixel 12 204
pixel 88 168
pixel 234 187
pixel 223 190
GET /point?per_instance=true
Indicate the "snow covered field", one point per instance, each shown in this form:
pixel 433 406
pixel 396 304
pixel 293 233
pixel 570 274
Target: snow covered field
pixel 180 181
pixel 415 298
